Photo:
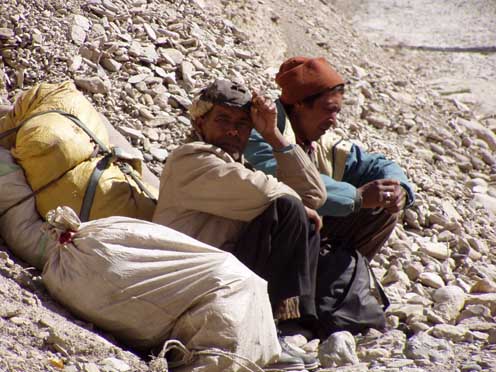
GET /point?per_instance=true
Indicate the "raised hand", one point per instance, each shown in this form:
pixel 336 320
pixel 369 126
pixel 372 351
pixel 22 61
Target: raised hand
pixel 264 117
pixel 263 114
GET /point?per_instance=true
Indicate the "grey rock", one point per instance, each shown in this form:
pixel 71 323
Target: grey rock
pixel 184 102
pixel 77 34
pixel 378 121
pixel 484 201
pixel 436 250
pixel 75 63
pixel 111 64
pixel 90 367
pixel 243 54
pixel 483 286
pixel 93 84
pixel 6 33
pixel 338 350
pixel 135 79
pixel 131 132
pixel 404 311
pixel 172 56
pixel 424 346
pixel 454 333
pixel 187 71
pixel 450 300
pixel 150 31
pixel 413 270
pixel 431 280
pixel 113 364
pixel 82 22
pixel 149 54
pixel 151 133
pixel 480 131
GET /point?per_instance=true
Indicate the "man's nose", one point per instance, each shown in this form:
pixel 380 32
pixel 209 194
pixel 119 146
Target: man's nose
pixel 333 118
pixel 232 132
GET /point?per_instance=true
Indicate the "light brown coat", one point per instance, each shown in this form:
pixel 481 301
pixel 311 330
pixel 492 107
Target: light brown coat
pixel 206 194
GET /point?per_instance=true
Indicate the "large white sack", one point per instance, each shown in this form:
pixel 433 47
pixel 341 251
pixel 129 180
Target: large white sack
pixel 145 283
pixel 20 226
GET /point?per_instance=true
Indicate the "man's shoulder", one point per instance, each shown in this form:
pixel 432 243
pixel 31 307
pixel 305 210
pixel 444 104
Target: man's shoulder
pixel 197 150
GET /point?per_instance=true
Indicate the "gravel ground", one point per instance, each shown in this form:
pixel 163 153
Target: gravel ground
pixel 141 61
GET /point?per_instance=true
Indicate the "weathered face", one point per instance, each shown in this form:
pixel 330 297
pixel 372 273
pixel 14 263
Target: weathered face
pixel 226 127
pixel 314 119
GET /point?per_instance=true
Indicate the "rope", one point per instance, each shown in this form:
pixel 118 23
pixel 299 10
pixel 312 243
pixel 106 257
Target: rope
pixel 190 355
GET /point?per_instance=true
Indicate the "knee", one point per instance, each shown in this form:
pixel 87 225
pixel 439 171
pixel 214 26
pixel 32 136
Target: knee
pixel 290 205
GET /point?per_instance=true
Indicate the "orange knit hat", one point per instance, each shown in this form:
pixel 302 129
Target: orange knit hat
pixel 302 77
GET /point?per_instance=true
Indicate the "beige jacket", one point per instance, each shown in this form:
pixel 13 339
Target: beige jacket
pixel 206 194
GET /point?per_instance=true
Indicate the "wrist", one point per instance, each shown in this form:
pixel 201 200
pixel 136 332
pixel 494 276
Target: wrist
pixel 358 202
pixel 276 140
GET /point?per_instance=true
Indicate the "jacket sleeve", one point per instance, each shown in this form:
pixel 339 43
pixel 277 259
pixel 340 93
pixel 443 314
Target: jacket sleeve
pixel 292 167
pixel 205 182
pixel 341 198
pixel 362 167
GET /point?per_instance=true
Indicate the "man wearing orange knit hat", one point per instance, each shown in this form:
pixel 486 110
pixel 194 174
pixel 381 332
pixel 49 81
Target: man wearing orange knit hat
pixel 365 192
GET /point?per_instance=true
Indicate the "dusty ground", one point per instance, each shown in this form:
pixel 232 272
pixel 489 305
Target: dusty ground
pixel 445 164
pixel 452 41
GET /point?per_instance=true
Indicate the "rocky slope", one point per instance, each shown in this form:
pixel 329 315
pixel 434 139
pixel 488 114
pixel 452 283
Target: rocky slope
pixel 141 62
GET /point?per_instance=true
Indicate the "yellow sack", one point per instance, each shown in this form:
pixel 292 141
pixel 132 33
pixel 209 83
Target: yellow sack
pixel 49 145
pixel 116 193
pixel 55 151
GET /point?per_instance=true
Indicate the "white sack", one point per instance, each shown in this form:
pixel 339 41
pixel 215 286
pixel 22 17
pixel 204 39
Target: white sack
pixel 20 226
pixel 145 283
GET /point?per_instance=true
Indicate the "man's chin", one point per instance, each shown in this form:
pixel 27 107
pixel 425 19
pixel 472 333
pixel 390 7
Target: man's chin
pixel 234 151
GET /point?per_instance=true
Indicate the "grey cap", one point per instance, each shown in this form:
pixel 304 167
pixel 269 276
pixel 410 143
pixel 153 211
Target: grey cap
pixel 220 92
pixel 226 92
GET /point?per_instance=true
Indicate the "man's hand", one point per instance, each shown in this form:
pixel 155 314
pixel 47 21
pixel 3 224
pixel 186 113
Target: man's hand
pixel 383 193
pixel 314 217
pixel 264 117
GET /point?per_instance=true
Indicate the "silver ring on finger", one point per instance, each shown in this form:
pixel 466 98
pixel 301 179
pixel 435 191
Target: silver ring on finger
pixel 387 196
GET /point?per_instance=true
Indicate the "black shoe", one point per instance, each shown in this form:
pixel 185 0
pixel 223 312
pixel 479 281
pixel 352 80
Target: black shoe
pixel 310 363
pixel 286 362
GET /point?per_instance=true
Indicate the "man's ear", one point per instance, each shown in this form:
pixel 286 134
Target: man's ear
pixel 198 126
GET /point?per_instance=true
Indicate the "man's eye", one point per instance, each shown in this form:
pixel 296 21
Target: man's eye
pixel 222 121
pixel 244 124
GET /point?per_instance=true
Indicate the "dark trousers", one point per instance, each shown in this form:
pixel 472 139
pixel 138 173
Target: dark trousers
pixel 364 231
pixel 282 247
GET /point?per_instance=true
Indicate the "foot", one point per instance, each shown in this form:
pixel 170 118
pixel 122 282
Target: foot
pixel 286 362
pixel 310 363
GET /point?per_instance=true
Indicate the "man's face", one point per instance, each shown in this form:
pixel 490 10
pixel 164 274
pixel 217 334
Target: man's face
pixel 315 118
pixel 226 127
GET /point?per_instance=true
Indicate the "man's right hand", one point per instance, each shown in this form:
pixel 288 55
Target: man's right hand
pixel 314 217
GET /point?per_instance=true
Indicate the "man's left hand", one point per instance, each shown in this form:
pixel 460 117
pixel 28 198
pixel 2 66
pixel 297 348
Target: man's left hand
pixel 263 115
pixel 397 200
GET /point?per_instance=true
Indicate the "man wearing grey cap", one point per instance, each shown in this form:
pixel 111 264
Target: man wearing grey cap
pixel 268 223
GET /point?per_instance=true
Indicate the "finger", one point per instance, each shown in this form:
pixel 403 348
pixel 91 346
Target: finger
pixel 387 195
pixel 318 223
pixel 388 182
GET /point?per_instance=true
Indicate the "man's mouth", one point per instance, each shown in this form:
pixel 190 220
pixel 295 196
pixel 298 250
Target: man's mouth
pixel 230 147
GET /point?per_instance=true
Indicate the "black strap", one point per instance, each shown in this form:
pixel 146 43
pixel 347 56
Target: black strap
pixel 378 286
pixel 127 169
pixel 281 116
pixel 334 148
pixel 89 195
